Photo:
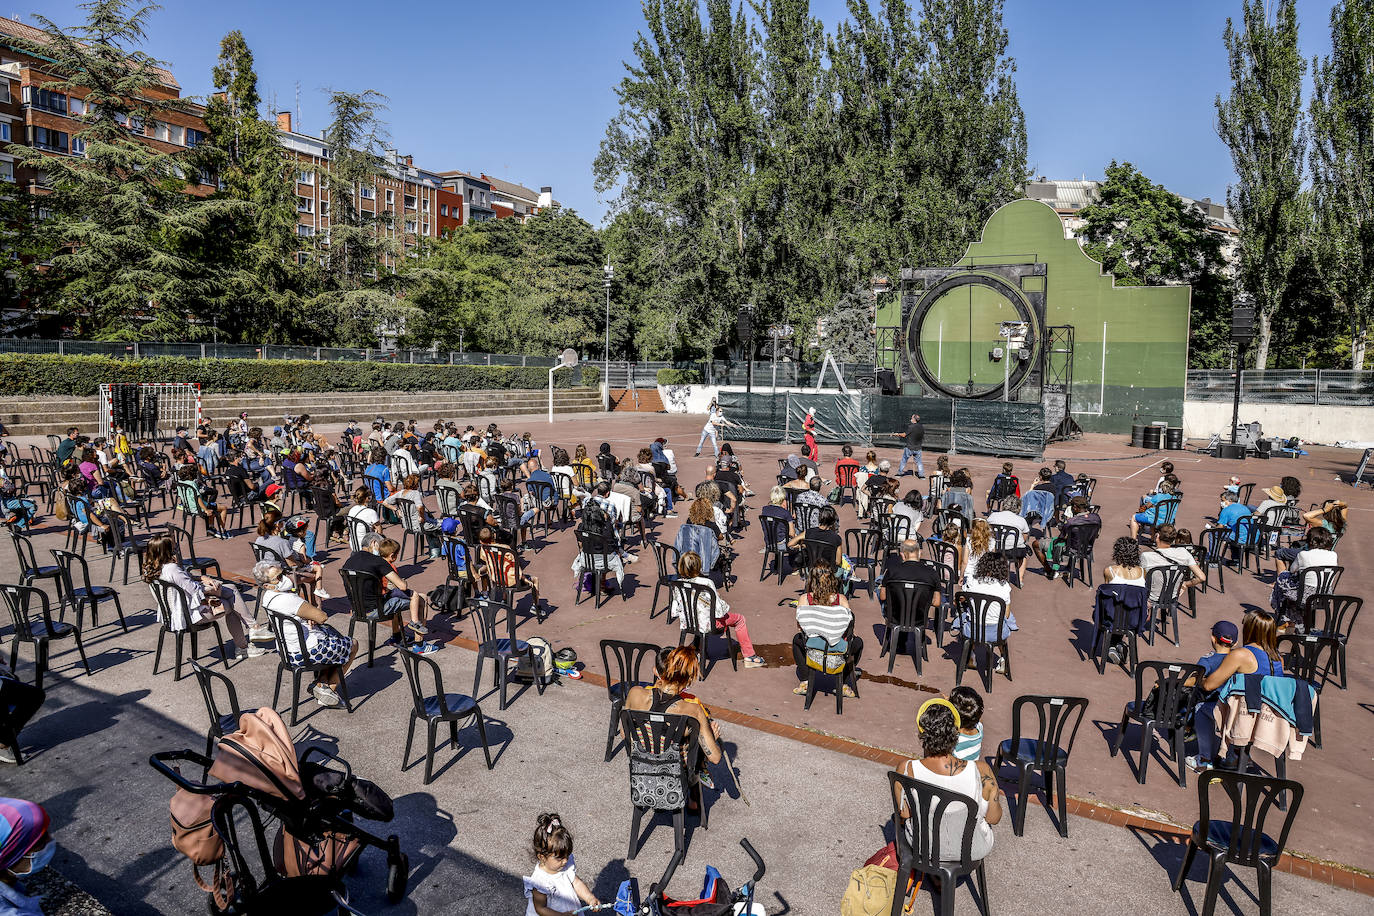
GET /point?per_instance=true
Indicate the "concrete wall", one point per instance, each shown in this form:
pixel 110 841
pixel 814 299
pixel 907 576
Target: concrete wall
pixel 1321 424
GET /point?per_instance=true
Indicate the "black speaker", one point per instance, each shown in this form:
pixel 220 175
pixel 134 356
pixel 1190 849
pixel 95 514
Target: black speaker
pixel 1243 322
pixel 1234 452
pixel 887 381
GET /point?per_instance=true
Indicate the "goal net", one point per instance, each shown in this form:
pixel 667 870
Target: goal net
pixel 149 411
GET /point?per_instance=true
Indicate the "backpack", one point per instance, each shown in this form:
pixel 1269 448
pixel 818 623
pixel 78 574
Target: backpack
pixel 870 892
pixel 446 599
pixel 543 661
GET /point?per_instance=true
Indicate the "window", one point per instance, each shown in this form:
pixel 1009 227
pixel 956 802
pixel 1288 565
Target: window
pixel 306 177
pixel 410 201
pixel 78 146
pixel 424 205
pixel 443 209
pixel 424 228
pixel 410 226
pixel 304 231
pixel 207 177
pixel 4 90
pixel 324 208
pixel 45 138
pixel 6 171
pixel 76 107
pixel 368 193
pixel 195 137
pixel 5 131
pixel 168 133
pixel 47 99
pixel 305 205
pixel 390 198
pixel 135 125
pixel 302 258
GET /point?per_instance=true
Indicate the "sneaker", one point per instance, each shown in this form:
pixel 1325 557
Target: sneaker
pixel 754 661
pixel 261 634
pixel 254 651
pixel 848 692
pixel 705 778
pixel 7 755
pixel 1114 654
pixel 1001 666
pixel 799 690
pixel 325 695
pixel 670 514
pixel 321 593
pixel 696 454
pixel 393 642
pixel 418 628
pixel 424 648
pixel 631 558
pixel 1197 764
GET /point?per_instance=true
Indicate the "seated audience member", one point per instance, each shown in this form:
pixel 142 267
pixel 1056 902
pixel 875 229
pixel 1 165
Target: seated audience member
pixel 689 569
pixel 700 534
pixel 959 493
pixel 909 568
pixel 324 645
pixel 1145 514
pixel 989 578
pixel 909 507
pixel 208 598
pixel 1231 514
pixel 427 526
pixel 674 671
pixel 1003 485
pixel 1062 481
pixel 969 704
pixel 1258 654
pixel 397 596
pixel 1168 552
pixel 824 620
pixel 1010 516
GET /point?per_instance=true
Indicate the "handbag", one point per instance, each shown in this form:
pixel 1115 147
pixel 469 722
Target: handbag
pixel 834 496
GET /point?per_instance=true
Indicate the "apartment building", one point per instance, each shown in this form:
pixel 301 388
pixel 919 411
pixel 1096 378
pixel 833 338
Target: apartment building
pixel 509 199
pixel 476 194
pixel 47 119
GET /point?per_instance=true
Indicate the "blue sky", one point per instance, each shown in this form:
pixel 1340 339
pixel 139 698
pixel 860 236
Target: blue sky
pixel 523 89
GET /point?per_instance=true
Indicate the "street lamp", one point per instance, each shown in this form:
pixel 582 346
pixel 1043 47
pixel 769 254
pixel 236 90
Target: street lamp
pixel 745 328
pixel 779 333
pixel 607 279
pixel 461 331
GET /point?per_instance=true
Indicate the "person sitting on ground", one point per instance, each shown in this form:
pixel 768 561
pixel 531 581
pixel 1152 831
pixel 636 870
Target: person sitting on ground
pixel 1009 516
pixel 424 525
pixel 990 577
pixel 969 704
pixel 674 671
pixel 206 504
pixel 1146 513
pixel 938 726
pixel 825 621
pixel 689 569
pixel 209 599
pixel 304 573
pixel 397 596
pixel 1259 654
pixel 324 645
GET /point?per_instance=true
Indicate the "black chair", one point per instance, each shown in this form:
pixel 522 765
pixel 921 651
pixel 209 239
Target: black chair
pixel 1164 583
pixel 281 625
pixel 774 546
pixel 1243 492
pixel 665 557
pixel 660 773
pixel 505 576
pixel 1217 549
pixel 185 544
pixel 1317 580
pixel 1078 557
pixel 1006 538
pixel 546 501
pixel 943 552
pixel 1303 659
pixel 947 612
pixel 606 465
pixel 846 478
pixel 921 848
pixel 78 591
pixel 686 595
pixel 1161 513
pixel 450 498
pixel 629 660
pixel 464 575
pixel 29 570
pixel 1116 627
pixel 435 708
pixel 834 661
pixel 1047 753
pixel 1160 710
pixel 500 649
pixel 164 592
pixel 241 502
pixel 127 545
pixel 78 508
pixel 221 723
pixel 1240 839
pixel 1339 613
pixel 358 528
pixel 326 509
pixel 597 551
pixel 906 611
pixel 188 502
pixel 807 516
pixel 892 530
pixel 862 545
pixel 975 607
pixel 38 628
pixel 366 600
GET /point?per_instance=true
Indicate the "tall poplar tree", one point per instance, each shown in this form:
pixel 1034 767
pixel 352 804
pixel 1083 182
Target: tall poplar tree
pixel 1262 123
pixel 1342 159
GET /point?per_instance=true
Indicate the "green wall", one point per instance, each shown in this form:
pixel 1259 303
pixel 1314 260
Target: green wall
pixel 1146 328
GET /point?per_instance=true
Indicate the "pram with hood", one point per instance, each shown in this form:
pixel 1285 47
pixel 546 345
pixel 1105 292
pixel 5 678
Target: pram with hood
pixel 716 898
pixel 314 798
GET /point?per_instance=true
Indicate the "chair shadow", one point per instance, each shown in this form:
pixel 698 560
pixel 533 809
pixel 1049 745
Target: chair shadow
pixel 75 721
pixel 113 656
pixel 1084 632
pixel 1168 849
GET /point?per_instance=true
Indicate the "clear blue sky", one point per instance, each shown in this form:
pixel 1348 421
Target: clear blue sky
pixel 523 89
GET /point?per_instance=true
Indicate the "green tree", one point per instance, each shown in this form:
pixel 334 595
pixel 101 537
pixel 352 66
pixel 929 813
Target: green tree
pixel 1342 159
pixel 1145 235
pixel 846 330
pixel 554 286
pixel 121 229
pixel 457 283
pixel 1261 121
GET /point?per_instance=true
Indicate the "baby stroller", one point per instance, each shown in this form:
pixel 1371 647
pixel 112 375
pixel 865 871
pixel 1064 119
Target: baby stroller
pixel 716 898
pixel 255 775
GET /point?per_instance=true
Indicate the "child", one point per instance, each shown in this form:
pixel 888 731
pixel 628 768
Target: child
pixel 1165 469
pixel 969 745
pixel 554 888
pixel 1004 485
pixel 1234 486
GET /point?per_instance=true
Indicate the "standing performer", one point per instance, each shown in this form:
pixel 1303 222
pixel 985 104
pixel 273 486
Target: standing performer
pixel 715 420
pixel 810 449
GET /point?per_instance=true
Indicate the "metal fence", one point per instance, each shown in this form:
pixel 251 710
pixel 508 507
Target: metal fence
pixel 267 351
pixel 1334 387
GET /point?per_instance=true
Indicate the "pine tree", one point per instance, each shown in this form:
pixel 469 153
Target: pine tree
pixel 1262 123
pixel 1342 159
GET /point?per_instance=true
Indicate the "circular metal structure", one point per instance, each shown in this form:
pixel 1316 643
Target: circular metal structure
pixel 999 300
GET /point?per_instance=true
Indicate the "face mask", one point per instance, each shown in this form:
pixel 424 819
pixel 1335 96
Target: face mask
pixel 38 859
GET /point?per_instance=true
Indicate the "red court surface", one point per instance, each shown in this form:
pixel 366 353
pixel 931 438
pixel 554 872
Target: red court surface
pixel 1047 654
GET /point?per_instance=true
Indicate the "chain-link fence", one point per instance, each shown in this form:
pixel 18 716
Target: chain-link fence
pixel 1335 387
pixel 150 349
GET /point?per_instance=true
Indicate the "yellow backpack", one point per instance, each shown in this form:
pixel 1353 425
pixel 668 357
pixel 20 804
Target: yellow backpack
pixel 870 892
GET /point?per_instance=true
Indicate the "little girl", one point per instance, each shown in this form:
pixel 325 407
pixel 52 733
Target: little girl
pixel 554 888
pixel 969 744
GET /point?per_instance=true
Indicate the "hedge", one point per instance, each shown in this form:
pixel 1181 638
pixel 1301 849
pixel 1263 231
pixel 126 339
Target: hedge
pixel 591 376
pixel 82 376
pixel 679 376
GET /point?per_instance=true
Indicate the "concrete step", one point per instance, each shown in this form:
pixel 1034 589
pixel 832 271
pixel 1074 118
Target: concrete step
pixel 623 399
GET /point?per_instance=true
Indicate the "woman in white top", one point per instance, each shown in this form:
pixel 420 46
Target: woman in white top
pixel 207 599
pixel 362 511
pixel 990 577
pixel 1125 568
pixel 979 542
pixel 324 645
pixel 937 724
pixel 909 506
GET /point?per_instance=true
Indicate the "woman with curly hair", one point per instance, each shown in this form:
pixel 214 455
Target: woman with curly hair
pixel 990 577
pixel 1125 568
pixel 979 542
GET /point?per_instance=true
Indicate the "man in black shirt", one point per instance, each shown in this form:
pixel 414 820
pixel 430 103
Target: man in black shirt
pixel 67 445
pixel 915 439
pixel 1061 480
pixel 396 595
pixel 911 569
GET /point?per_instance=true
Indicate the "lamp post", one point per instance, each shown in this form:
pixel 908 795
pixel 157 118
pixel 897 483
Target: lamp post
pixel 608 277
pixel 461 331
pixel 778 332
pixel 745 327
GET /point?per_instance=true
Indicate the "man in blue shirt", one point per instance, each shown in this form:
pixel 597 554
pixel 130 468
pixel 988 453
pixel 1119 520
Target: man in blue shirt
pixel 1061 480
pixel 1231 513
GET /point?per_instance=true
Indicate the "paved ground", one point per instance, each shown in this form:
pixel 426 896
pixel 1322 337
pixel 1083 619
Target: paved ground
pixel 815 814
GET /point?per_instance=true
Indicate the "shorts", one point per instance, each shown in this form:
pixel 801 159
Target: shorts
pixel 1145 518
pixel 1015 553
pixel 397 603
pixel 330 647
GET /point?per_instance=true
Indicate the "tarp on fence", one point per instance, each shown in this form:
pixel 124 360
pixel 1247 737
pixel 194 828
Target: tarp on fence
pixel 757 417
pixel 892 415
pixel 839 417
pixel 999 428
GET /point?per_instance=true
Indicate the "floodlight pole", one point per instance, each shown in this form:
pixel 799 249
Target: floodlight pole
pixel 608 275
pixel 1235 397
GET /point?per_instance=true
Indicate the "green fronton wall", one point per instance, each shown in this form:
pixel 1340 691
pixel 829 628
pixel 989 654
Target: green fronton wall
pixel 1145 329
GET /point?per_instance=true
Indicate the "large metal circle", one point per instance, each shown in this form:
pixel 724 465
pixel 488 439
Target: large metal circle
pixel 953 328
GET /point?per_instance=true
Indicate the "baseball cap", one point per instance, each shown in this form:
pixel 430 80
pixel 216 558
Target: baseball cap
pixel 274 488
pixel 1225 632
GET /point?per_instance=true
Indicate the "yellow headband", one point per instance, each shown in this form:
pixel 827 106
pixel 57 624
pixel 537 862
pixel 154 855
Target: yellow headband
pixel 936 701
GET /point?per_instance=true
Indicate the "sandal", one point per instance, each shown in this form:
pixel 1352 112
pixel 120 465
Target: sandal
pixel 849 693
pixel 799 690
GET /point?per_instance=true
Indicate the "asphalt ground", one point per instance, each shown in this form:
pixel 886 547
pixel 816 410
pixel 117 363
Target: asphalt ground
pixel 815 814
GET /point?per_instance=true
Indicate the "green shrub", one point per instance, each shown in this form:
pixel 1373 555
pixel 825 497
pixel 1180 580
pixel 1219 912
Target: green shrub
pixel 679 376
pixel 82 376
pixel 591 376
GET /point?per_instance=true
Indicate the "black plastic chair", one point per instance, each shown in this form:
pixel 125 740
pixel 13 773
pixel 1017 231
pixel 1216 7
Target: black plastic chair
pixel 861 545
pixel 435 708
pixel 824 662
pixel 807 516
pixel 127 546
pixel 357 529
pixel 892 530
pixel 78 591
pixel 1047 753
pixel 366 599
pixel 774 546
pixel 665 558
pixel 463 576
pixel 29 570
pixel 185 544
pixel 1078 551
pixel 1159 712
pixel 1165 582
pixel 976 606
pixel 500 649
pixel 654 744
pixel 596 553
pixel 326 509
pixel 686 596
pixel 281 624
pixel 38 628
pixel 1317 580
pixel 1216 549
pixel 1303 659
pixel 920 848
pixel 240 502
pixel 546 502
pixel 163 593
pixel 1339 613
pixel 629 660
pixel 221 723
pixel 1161 513
pixel 1239 840
pixel 1116 628
pixel 946 613
pixel 906 611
